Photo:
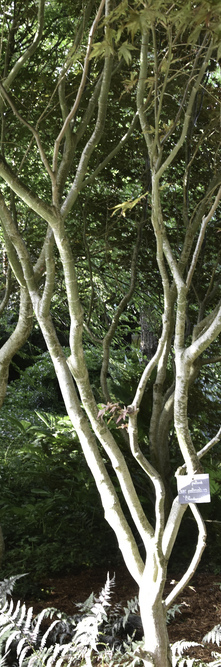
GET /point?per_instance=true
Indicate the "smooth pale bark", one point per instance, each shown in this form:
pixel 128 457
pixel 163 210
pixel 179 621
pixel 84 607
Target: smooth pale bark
pixel 111 504
pixel 16 339
pixel 156 649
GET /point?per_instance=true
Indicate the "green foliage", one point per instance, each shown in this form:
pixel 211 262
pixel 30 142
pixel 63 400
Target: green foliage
pixel 36 387
pixel 49 512
pixel 138 18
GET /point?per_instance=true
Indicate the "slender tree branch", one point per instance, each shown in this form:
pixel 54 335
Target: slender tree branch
pixel 151 365
pixel 187 115
pixel 90 270
pixel 75 137
pixel 50 276
pixel 36 204
pixel 111 155
pixel 96 340
pixel 81 87
pixel 204 449
pixel 16 339
pixel 201 544
pixel 205 221
pixel 121 307
pixel 206 338
pixel 151 473
pixel 211 360
pixel 29 51
pixel 93 141
pixel 32 129
pixel 155 65
pixel 190 79
pixel 203 325
pixel 141 86
pixel 172 526
pixel 11 252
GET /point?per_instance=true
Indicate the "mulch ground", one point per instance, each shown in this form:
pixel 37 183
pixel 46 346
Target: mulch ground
pixel 200 611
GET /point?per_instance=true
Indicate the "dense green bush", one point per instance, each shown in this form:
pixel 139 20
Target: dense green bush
pixel 50 513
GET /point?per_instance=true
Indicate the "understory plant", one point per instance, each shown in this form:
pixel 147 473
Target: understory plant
pixel 99 633
pixel 97 629
pixel 49 510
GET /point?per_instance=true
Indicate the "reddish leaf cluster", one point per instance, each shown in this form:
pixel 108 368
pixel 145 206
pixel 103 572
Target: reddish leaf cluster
pixel 114 410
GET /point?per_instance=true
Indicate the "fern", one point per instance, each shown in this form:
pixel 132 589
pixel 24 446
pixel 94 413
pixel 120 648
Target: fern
pixel 98 627
pixel 213 635
pixel 177 650
pixel 20 632
pixel 7 585
pixel 88 631
pixel 172 611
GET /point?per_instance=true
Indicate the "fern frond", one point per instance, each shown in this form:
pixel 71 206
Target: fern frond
pixel 45 636
pixel 3 660
pixel 28 620
pixel 131 608
pixel 216 662
pixel 87 605
pixel 213 635
pixel 106 592
pixel 21 657
pixel 13 635
pixel 20 645
pixel 7 585
pixel 37 623
pixel 16 627
pixel 177 650
pixel 172 611
pixel 17 608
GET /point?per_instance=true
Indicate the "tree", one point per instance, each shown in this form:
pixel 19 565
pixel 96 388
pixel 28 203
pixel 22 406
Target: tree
pixel 156 63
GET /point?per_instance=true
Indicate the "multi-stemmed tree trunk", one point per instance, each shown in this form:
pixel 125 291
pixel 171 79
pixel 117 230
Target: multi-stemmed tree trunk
pixel 159 75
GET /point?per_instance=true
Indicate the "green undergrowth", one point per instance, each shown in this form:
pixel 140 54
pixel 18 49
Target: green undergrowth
pixel 50 512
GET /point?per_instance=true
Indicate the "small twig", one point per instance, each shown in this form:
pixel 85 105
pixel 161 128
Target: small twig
pixel 32 129
pixel 81 87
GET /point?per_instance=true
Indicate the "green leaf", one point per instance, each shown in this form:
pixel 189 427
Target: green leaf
pixel 125 51
pixel 102 49
pixel 128 205
pixel 22 424
pixel 134 24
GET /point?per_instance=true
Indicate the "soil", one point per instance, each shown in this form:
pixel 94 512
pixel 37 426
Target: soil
pixel 200 610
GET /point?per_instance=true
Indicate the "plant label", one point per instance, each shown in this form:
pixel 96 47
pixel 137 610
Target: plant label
pixel 193 489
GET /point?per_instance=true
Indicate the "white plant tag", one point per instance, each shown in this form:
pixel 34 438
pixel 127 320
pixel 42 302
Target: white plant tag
pixel 193 489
